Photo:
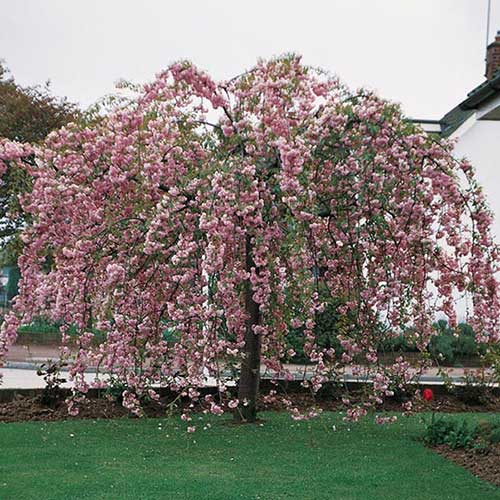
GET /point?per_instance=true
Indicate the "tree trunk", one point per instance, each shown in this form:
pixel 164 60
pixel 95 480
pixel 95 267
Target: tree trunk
pixel 248 389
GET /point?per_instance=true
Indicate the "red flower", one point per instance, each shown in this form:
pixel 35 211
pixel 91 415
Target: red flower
pixel 428 394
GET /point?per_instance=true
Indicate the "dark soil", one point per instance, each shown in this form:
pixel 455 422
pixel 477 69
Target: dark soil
pixel 442 403
pixel 25 408
pixel 485 465
pixel 449 403
pixel 31 408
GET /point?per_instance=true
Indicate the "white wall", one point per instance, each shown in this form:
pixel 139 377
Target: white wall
pixel 480 143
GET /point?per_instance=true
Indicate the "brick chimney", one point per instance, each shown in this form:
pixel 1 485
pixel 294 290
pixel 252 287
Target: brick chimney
pixel 493 57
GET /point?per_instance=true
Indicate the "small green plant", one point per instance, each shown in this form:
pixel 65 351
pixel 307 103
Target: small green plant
pixel 495 435
pixel 437 430
pixel 52 394
pixel 460 436
pixel 115 390
pixel 488 432
pixel 453 433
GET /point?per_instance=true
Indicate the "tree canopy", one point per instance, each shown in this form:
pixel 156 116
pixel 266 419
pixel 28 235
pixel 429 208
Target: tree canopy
pixel 232 214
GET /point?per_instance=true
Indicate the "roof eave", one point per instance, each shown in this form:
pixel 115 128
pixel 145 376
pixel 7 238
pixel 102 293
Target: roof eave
pixel 481 94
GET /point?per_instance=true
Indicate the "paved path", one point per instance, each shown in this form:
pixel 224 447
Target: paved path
pixel 22 361
pixel 25 377
pixel 22 378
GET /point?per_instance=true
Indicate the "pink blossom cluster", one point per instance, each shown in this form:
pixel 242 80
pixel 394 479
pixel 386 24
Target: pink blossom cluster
pixel 12 151
pixel 141 225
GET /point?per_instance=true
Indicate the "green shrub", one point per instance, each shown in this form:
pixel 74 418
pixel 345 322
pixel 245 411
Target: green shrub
pixel 401 343
pixel 52 394
pixel 13 282
pixel 495 435
pixel 326 330
pixel 483 430
pixel 474 391
pixel 488 432
pixel 441 348
pixel 437 430
pixel 453 433
pixel 45 328
pixel 465 344
pixel 448 344
pixel 461 436
pixel 445 347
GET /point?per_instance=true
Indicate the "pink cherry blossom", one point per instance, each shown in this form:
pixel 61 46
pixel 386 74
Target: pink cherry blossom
pixel 160 230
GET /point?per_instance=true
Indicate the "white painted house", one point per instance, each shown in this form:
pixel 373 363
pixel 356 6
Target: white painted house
pixel 475 125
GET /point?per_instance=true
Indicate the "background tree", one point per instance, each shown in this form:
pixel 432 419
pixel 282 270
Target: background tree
pixel 232 232
pixel 27 115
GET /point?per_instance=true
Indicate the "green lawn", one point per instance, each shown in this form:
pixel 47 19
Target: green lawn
pixel 120 459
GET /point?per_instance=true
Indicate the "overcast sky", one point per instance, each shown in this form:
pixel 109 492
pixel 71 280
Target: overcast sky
pixel 426 54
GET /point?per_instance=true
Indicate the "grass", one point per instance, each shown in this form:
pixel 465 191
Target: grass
pixel 281 459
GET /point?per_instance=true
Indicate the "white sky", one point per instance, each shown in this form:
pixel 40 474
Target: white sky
pixel 426 54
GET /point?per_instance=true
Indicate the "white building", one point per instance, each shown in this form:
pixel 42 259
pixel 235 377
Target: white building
pixel 475 125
